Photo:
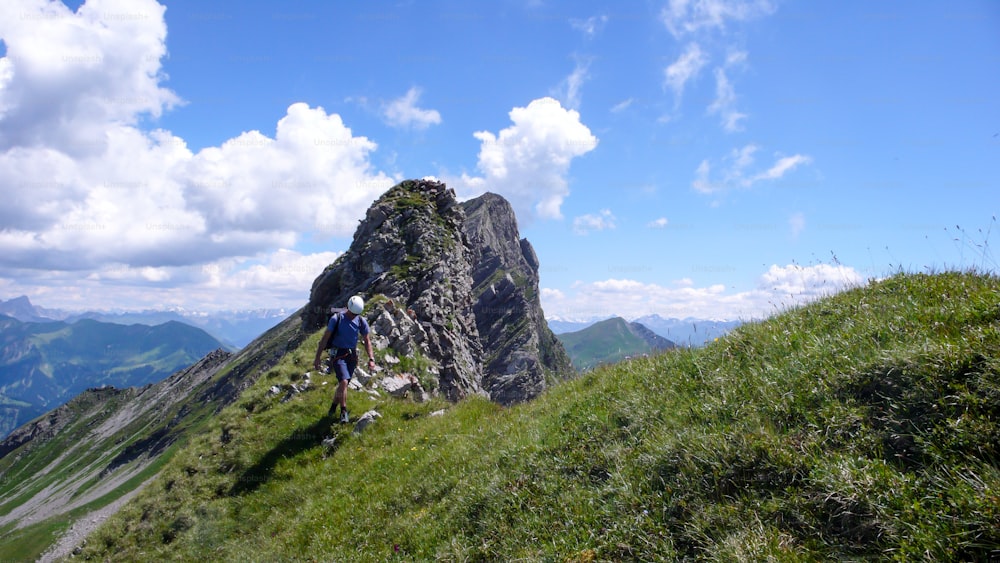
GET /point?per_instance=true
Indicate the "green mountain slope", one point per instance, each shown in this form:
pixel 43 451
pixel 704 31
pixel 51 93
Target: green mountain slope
pixel 87 454
pixel 862 426
pixel 43 365
pixel 610 341
pixel 61 471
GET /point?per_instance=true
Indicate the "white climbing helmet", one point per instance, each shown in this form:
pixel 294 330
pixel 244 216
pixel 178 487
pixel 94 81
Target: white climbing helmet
pixel 356 304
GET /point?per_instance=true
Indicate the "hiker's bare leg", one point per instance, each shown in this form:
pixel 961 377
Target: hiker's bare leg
pixel 340 398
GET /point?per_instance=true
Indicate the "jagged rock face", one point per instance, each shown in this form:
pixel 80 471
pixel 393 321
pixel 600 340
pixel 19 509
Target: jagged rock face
pixel 520 352
pixel 410 248
pixel 467 282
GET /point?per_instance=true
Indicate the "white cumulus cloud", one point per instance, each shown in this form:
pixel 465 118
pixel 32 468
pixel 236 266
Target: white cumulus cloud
pixel 528 161
pixel 284 272
pixel 67 75
pixel 148 200
pixel 87 190
pixel 779 288
pixel 273 279
pixel 805 283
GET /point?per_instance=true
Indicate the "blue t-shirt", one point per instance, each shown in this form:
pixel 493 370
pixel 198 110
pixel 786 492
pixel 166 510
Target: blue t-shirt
pixel 347 333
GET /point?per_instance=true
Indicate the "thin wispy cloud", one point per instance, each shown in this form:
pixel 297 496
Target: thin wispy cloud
pixel 569 90
pixel 622 105
pixel 736 58
pixel 782 167
pixel 684 69
pixel 724 103
pixel 685 17
pixel 797 223
pixel 586 224
pixel 734 170
pixel 590 26
pixel 705 23
pixel 403 112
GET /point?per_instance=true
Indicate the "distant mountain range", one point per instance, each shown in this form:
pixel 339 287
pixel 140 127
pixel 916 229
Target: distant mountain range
pixel 683 332
pixel 233 328
pixel 45 364
pixel 23 310
pixel 689 331
pixel 610 341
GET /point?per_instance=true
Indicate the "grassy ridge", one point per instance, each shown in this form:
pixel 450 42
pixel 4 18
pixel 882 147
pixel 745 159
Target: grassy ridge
pixel 862 426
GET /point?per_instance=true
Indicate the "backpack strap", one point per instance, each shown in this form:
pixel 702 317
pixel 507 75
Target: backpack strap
pixel 339 317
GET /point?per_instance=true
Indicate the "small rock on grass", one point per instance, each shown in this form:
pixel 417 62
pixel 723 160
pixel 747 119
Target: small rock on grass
pixel 365 420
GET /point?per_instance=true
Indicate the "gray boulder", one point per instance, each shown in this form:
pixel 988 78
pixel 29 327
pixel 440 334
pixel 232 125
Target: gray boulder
pixel 365 421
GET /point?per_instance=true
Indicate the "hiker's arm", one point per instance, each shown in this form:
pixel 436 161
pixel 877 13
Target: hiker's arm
pixel 368 348
pixel 320 348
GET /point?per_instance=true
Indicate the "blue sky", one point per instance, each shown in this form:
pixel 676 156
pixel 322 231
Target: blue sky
pixel 710 158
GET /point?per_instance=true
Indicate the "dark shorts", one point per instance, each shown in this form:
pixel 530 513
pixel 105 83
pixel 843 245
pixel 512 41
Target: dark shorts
pixel 343 361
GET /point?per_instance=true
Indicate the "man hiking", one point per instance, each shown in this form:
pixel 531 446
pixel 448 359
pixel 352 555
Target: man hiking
pixel 341 337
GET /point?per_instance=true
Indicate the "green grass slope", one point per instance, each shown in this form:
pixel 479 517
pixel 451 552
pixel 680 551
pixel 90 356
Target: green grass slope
pixel 104 443
pixel 863 426
pixel 101 445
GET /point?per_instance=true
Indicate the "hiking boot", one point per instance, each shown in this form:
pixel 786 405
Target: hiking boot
pixel 344 419
pixel 332 413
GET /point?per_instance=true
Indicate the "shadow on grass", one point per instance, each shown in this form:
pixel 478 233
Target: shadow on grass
pixel 300 440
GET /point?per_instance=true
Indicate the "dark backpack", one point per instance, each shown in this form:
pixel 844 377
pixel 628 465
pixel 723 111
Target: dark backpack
pixel 339 315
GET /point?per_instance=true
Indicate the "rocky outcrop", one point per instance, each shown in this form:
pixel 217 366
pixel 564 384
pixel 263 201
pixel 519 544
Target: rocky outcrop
pixel 410 248
pixel 521 355
pixel 452 283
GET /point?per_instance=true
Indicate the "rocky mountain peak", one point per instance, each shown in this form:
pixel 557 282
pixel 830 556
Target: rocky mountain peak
pixel 468 285
pixel 21 309
pixel 521 354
